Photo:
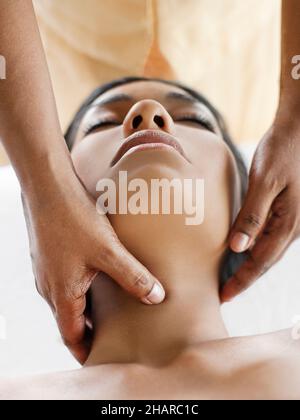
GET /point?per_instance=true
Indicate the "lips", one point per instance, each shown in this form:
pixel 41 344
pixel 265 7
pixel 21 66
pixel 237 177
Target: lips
pixel 148 139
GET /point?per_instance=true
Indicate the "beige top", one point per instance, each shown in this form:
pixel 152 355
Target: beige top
pixel 228 49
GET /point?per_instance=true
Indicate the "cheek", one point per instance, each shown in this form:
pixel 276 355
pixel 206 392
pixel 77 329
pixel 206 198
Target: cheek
pixel 218 207
pixel 199 145
pixel 92 158
pixel 222 191
pixel 214 163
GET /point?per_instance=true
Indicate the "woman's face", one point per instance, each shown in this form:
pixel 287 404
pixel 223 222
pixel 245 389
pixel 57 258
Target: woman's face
pixel 154 130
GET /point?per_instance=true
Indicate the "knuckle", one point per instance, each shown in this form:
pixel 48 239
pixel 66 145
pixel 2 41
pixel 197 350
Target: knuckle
pixel 267 179
pixel 141 284
pixel 108 251
pixel 78 288
pixel 253 221
pixel 74 287
pixel 282 226
pixel 257 174
pixel 280 209
pixel 272 182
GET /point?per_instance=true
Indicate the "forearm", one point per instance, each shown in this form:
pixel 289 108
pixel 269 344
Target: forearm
pixel 290 48
pixel 29 126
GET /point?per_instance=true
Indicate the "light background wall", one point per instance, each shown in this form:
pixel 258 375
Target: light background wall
pixel 227 49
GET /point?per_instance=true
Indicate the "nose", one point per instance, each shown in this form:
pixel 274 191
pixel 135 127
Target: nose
pixel 148 115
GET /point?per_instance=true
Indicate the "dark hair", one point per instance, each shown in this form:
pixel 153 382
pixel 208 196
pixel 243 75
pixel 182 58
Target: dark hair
pixel 231 261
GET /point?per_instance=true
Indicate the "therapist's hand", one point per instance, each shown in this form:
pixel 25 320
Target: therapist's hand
pixel 70 243
pixel 270 217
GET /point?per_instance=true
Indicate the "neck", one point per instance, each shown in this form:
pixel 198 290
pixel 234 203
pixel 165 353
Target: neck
pixel 128 331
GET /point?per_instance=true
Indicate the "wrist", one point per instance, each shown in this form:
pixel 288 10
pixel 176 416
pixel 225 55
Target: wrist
pixel 288 111
pixel 289 99
pixel 47 175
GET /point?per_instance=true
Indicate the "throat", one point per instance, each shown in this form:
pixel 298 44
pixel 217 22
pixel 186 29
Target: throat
pixel 127 331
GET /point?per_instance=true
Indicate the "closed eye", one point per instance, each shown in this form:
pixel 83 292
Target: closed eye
pixel 100 124
pixel 199 120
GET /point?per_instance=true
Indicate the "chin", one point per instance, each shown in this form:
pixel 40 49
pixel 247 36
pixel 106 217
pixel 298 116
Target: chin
pixel 154 164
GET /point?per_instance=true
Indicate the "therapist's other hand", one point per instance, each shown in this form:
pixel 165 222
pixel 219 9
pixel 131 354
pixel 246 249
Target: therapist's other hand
pixel 270 217
pixel 70 243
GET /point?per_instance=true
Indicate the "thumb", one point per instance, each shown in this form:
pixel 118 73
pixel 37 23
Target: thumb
pixel 131 275
pixel 252 217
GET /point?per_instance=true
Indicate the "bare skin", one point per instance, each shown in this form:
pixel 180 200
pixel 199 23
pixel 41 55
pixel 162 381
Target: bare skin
pixel 256 368
pixel 182 345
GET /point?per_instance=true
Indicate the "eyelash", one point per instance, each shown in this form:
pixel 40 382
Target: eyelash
pixel 199 119
pixel 92 127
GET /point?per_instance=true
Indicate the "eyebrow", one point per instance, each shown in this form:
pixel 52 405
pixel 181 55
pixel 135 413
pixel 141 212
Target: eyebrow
pixel 182 97
pixel 177 96
pixel 123 97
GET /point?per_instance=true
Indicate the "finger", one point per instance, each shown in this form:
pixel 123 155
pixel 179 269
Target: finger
pixel 130 274
pixel 268 250
pixel 73 328
pixel 253 215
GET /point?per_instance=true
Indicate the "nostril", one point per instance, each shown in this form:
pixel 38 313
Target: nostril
pixel 159 121
pixel 136 121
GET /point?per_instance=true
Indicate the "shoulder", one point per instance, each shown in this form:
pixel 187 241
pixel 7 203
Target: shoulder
pixel 264 366
pixel 277 368
pixel 38 387
pixel 91 383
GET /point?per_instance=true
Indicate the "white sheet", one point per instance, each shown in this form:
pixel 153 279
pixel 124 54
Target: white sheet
pixel 31 342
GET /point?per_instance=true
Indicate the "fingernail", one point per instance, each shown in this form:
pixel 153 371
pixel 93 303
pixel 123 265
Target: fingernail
pixel 240 242
pixel 156 296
